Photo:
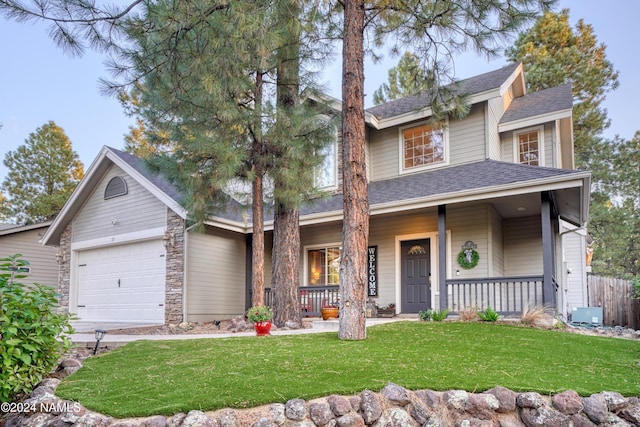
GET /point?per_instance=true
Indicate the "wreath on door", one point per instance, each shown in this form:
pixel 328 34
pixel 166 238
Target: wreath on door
pixel 468 258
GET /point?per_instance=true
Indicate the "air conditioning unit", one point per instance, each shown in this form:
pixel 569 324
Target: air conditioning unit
pixel 591 315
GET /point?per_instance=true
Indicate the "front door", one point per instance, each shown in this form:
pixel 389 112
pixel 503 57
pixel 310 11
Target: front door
pixel 416 275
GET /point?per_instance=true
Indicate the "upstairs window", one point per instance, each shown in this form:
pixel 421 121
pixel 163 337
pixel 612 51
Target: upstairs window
pixel 528 147
pixel 325 175
pixel 422 146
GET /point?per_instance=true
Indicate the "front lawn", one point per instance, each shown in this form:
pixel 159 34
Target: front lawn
pixel 165 377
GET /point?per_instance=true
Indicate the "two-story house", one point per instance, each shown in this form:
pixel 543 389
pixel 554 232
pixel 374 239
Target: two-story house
pixel 482 211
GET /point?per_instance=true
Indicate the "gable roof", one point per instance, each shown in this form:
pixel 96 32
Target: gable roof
pixel 545 105
pixel 473 86
pixel 134 166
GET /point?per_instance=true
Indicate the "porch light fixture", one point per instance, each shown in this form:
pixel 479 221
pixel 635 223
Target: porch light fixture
pixel 99 335
pixel 168 240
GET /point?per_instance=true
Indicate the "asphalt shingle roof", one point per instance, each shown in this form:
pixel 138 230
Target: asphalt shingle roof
pixel 472 176
pixel 470 86
pixel 233 211
pixel 538 103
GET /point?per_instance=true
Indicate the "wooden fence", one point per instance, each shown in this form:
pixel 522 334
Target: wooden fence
pixel 614 296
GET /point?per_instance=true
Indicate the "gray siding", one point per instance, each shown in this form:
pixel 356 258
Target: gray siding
pixel 44 268
pixel 466 144
pixel 495 109
pixel 467 138
pixel 574 251
pixel 215 274
pixel 383 153
pixel 135 211
pixel 549 146
pixel 469 223
pixel 523 246
pixel 496 245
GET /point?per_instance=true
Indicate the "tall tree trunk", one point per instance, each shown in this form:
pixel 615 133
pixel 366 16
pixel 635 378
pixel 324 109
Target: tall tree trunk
pixel 285 277
pixel 286 267
pixel 355 229
pixel 257 243
pixel 257 208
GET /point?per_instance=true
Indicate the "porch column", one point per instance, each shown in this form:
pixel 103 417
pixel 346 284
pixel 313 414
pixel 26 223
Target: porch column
pixel 442 255
pixel 548 289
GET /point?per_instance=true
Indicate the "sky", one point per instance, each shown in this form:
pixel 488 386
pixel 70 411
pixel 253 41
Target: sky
pixel 39 82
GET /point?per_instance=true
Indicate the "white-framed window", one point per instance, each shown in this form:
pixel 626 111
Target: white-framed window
pixel 326 174
pixel 323 265
pixel 528 146
pixel 423 146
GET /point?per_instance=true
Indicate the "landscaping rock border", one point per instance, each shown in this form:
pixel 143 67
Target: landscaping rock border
pixel 393 406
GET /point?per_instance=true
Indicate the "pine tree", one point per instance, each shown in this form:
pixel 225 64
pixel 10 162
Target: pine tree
pixel 553 53
pixel 435 29
pixel 405 79
pixel 43 172
pixel 430 28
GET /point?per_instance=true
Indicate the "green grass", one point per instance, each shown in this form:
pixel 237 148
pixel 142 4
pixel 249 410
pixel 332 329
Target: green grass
pixel 166 377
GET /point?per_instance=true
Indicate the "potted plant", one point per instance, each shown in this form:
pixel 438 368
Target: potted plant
pixel 261 316
pixel 329 311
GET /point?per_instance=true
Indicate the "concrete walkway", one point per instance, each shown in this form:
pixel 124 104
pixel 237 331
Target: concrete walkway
pixel 85 339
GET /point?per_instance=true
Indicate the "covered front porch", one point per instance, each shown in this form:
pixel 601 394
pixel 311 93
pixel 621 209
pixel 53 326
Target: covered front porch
pixel 506 295
pixel 517 232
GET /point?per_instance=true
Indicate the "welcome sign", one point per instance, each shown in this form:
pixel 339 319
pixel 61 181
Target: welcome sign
pixel 372 271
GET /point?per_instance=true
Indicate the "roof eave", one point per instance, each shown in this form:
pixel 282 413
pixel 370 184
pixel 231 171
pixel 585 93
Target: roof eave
pixel 423 113
pixel 576 180
pixel 534 120
pixel 21 228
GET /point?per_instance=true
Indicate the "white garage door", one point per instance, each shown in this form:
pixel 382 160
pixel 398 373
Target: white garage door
pixel 124 283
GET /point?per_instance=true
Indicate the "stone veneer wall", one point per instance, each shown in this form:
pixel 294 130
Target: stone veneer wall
pixel 64 271
pixel 175 269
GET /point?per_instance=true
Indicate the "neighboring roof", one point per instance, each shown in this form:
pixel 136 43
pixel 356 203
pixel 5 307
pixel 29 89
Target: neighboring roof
pixel 6 229
pixel 471 86
pixel 484 177
pixel 539 103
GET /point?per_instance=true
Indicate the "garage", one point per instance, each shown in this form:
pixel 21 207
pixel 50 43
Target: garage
pixel 122 283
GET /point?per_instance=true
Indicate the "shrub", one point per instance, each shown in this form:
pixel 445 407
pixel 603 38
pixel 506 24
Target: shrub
pixel 425 315
pixel 635 288
pixel 439 316
pixel 33 334
pixel 537 316
pixel 488 315
pixel 468 314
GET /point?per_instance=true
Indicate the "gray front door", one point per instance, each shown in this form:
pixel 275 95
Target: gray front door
pixel 416 275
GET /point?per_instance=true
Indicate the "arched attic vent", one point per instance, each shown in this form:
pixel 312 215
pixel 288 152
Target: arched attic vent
pixel 116 187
